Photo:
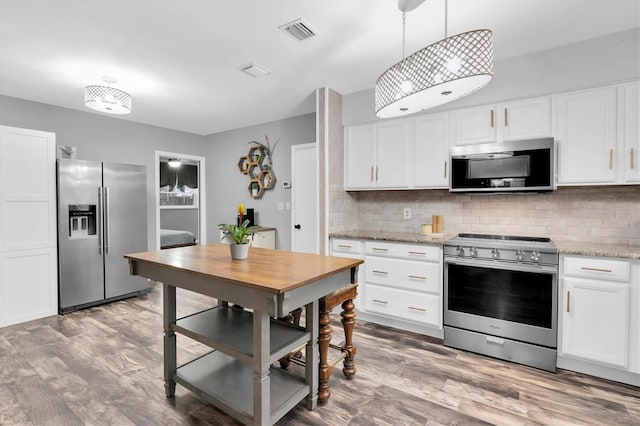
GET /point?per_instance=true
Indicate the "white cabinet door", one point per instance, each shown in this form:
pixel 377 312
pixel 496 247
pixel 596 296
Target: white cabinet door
pixel 28 243
pixel 596 321
pixel 525 119
pixel 474 125
pixel 585 131
pixel 631 156
pixel 393 141
pixel 431 151
pixel 360 150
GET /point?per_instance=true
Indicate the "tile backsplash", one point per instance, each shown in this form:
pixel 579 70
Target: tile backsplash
pixel 608 214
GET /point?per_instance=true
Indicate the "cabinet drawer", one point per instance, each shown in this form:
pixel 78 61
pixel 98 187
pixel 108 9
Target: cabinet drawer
pixel 408 305
pixel 417 276
pixel 346 246
pixel 406 251
pixel 602 269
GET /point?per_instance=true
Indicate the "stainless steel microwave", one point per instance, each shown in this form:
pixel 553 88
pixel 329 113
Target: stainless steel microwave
pixel 513 166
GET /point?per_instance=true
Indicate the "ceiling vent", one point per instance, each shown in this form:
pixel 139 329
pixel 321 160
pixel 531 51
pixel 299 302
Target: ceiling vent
pixel 298 29
pixel 256 70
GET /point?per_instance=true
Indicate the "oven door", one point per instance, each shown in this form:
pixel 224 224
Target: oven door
pixel 510 300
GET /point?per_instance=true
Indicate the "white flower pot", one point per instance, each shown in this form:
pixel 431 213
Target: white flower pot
pixel 239 251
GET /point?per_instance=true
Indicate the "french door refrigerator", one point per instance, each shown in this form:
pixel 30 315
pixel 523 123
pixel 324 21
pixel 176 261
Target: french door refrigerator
pixel 102 215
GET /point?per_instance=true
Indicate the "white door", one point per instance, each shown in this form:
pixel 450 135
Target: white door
pixel 28 244
pixel 304 198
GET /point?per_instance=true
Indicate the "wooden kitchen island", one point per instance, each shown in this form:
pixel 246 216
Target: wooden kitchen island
pixel 237 375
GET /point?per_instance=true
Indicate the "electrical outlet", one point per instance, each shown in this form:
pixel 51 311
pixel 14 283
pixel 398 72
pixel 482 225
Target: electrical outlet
pixel 280 205
pixel 407 213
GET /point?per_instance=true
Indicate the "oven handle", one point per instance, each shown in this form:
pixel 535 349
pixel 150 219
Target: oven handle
pixel 510 266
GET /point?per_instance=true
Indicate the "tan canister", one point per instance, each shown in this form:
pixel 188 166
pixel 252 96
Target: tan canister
pixel 437 224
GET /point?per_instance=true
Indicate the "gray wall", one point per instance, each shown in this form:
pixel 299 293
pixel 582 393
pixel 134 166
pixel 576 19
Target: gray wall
pixel 611 58
pixel 104 138
pixel 227 187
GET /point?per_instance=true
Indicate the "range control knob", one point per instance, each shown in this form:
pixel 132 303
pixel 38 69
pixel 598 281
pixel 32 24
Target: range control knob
pixel 460 251
pixel 495 253
pixel 519 254
pixel 473 252
pixel 535 256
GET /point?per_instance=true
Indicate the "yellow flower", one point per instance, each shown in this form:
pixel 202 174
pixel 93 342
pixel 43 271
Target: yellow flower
pixel 241 209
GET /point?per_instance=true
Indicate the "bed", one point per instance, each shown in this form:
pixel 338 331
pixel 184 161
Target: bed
pixel 172 238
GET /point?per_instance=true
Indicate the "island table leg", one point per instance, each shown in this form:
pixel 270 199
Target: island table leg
pixel 168 318
pixel 311 353
pixel 261 379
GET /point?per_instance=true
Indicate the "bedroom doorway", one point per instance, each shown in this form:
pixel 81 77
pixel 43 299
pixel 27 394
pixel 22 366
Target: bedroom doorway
pixel 180 199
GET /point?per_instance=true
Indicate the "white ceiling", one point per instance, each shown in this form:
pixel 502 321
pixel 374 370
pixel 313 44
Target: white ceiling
pixel 181 59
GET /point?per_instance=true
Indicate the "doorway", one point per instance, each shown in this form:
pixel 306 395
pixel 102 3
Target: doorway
pixel 180 199
pixel 304 198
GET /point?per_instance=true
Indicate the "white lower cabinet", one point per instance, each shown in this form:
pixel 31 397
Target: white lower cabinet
pixel 600 317
pixel 351 249
pixel 403 286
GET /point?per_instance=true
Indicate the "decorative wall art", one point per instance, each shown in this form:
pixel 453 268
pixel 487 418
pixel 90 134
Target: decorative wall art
pixel 258 164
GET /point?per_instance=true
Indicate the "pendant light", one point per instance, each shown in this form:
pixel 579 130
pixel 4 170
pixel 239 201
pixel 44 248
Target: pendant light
pixel 439 73
pixel 106 98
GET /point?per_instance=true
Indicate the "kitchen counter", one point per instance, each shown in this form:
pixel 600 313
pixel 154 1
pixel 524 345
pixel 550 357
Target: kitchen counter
pixel 582 248
pixel 590 248
pixel 398 237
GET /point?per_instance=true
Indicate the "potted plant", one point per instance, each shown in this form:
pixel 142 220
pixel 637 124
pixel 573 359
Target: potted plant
pixel 239 236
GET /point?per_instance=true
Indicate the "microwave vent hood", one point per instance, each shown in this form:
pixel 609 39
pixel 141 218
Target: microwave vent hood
pixel 505 167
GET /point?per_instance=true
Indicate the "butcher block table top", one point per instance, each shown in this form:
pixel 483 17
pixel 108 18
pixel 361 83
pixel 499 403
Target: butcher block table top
pixel 277 271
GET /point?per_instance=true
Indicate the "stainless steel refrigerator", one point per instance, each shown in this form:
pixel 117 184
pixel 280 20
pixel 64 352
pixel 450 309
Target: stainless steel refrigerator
pixel 102 215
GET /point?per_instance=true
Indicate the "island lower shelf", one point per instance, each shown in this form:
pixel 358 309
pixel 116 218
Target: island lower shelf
pixel 230 330
pixel 228 384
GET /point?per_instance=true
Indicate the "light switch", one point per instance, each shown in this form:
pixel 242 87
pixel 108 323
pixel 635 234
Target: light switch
pixel 288 204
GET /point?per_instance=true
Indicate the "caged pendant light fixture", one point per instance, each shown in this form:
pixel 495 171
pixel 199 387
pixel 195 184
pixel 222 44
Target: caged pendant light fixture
pixel 106 98
pixel 439 73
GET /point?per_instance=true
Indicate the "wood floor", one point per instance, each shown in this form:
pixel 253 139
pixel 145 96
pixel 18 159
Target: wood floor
pixel 103 366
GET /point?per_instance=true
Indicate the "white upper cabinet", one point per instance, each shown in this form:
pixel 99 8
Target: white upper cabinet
pixel 585 131
pixel 376 155
pixel 474 125
pixel 359 150
pixel 431 151
pixel 523 119
pixel 631 153
pixel 393 141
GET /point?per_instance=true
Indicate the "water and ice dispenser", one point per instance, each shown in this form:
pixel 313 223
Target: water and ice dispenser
pixel 82 220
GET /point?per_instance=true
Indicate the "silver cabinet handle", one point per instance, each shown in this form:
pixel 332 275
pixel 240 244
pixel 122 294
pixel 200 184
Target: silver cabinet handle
pixel 371 174
pixel 379 301
pixel 445 169
pixel 491 118
pixel 377 169
pixel 106 220
pixel 568 301
pixel 418 253
pixel 344 246
pixel 380 272
pixel 417 277
pixel 506 122
pixel 379 249
pixel 417 309
pixel 584 268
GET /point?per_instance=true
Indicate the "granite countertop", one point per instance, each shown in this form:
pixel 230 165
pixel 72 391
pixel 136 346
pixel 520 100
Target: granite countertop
pixel 397 237
pixel 590 248
pixel 582 248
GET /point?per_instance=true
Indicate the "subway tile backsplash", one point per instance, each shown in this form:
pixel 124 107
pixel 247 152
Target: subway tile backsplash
pixel 600 214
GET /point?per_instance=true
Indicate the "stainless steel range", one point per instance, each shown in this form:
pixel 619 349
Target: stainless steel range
pixel 501 297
